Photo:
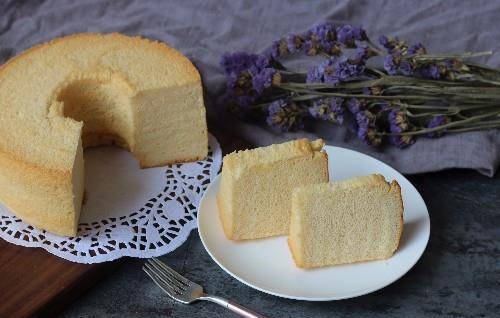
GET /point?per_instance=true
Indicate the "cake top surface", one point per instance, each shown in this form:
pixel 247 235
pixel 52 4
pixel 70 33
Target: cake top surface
pixel 325 189
pixel 240 161
pixel 33 128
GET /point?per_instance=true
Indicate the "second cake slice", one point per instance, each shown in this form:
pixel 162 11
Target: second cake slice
pixel 348 221
pixel 256 186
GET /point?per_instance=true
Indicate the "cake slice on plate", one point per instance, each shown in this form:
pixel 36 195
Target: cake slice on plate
pixel 342 222
pixel 256 186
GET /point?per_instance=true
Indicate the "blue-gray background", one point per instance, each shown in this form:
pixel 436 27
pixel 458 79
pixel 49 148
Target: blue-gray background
pixel 204 30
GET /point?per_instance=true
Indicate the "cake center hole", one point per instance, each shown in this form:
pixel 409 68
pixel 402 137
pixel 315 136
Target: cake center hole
pixel 104 108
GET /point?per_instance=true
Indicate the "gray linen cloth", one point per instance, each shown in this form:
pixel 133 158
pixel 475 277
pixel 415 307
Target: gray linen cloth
pixel 204 30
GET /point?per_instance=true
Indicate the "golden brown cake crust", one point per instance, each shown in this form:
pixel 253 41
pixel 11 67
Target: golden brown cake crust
pixel 17 173
pixel 396 187
pixel 224 222
pixel 321 266
pixel 291 246
pixel 169 52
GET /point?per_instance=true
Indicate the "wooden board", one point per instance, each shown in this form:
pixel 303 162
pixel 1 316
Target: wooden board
pixel 35 283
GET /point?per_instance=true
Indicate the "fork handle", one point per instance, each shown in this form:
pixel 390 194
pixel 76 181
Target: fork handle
pixel 242 311
pixel 234 307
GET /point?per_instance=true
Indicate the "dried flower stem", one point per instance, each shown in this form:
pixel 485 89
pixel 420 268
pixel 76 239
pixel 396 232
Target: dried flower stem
pixel 447 56
pixel 478 126
pixel 445 126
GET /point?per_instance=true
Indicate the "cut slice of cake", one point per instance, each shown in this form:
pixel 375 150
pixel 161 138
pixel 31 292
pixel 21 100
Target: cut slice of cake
pixel 256 186
pixel 342 222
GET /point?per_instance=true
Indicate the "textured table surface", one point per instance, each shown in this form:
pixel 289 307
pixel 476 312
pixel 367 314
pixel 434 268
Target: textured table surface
pixel 457 276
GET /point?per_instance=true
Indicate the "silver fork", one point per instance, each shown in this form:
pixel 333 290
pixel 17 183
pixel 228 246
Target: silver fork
pixel 185 291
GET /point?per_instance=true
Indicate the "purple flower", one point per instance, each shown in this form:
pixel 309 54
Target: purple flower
pixel 347 35
pixel 294 43
pixel 322 73
pixel 345 69
pixel 391 65
pixel 334 70
pixel 277 50
pixel 417 49
pixel 328 109
pixel 393 44
pixel 356 105
pixel 387 42
pixel 398 121
pixel 323 32
pixel 384 41
pixel 273 52
pixel 241 67
pixel 367 130
pixel 248 75
pixel 328 70
pixel 324 37
pixel 314 75
pixel 437 121
pixel 431 71
pixel 401 141
pixel 311 47
pixel 362 54
pixel 241 61
pixel 367 91
pixel 331 48
pixel 406 68
pixel 445 69
pixel 285 115
pixel 394 64
pixel 321 38
pixel 263 79
pixel 261 62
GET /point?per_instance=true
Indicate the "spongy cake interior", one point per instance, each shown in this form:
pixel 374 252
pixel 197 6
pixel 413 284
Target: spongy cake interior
pixel 103 105
pixel 345 222
pixel 256 185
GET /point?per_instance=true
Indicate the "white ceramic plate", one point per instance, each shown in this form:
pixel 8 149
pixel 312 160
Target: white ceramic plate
pixel 267 264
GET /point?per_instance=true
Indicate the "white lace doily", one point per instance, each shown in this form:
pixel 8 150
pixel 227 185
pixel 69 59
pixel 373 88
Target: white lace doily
pixel 129 211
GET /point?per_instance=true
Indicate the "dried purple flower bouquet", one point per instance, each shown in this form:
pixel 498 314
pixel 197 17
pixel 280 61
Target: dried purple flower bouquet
pixel 417 94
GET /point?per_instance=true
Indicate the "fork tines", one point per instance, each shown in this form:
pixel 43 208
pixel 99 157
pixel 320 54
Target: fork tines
pixel 166 278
